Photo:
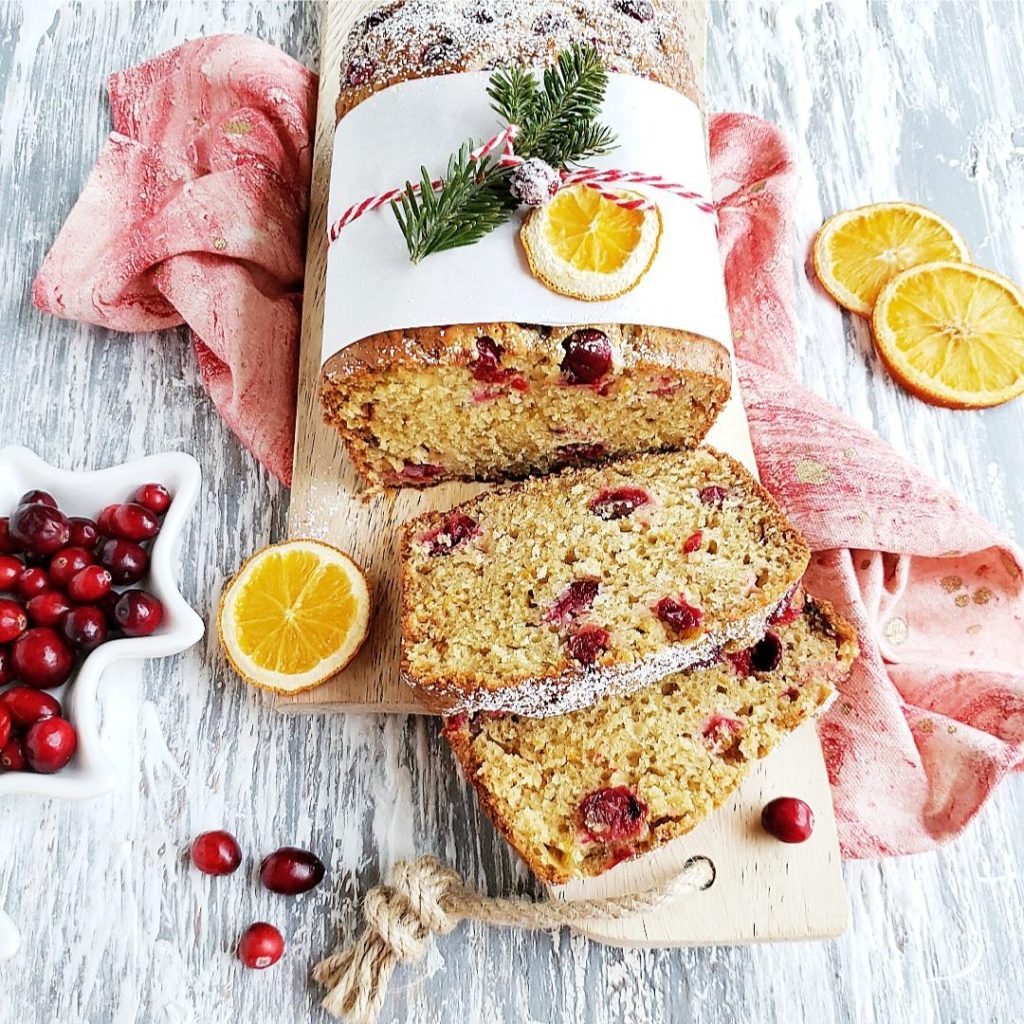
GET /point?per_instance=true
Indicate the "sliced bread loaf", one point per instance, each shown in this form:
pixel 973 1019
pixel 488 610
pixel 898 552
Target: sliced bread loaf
pixel 579 793
pixel 539 598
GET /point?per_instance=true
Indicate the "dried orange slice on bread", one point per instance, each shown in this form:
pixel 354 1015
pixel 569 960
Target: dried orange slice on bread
pixel 953 334
pixel 588 247
pixel 857 252
pixel 294 615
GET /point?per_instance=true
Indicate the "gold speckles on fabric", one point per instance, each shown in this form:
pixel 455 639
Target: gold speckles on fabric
pixel 811 471
pixel 951 729
pixel 1009 565
pixel 896 631
pixel 962 600
pixel 220 244
pixel 237 128
pixel 982 595
pixel 927 726
pixel 973 628
pixel 951 584
pixel 849 453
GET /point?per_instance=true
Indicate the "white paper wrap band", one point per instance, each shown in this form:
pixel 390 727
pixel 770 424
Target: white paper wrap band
pixel 372 286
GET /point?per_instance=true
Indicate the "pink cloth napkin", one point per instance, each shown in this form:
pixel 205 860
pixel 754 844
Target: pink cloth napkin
pixel 932 716
pixel 196 214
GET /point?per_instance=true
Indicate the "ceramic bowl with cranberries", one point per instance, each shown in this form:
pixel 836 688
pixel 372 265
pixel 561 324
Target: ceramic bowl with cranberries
pixel 84 579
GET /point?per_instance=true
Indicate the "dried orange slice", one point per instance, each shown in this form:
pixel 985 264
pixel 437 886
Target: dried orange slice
pixel 294 615
pixel 953 334
pixel 859 251
pixel 583 245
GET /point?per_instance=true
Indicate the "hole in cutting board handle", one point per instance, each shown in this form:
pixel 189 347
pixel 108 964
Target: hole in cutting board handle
pixel 710 867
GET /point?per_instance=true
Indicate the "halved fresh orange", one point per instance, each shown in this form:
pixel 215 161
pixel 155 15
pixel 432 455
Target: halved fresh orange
pixel 294 615
pixel 953 334
pixel 586 246
pixel 857 252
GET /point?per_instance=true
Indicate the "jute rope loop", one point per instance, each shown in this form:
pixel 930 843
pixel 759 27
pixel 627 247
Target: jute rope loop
pixel 423 898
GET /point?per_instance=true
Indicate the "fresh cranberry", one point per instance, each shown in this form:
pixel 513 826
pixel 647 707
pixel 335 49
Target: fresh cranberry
pixel 720 731
pixel 138 612
pixel 587 644
pixel 7 544
pixel 105 521
pixel 69 562
pixel 82 532
pixel 12 756
pixel 108 606
pixel 487 365
pixel 260 946
pixel 89 585
pixel 576 598
pixel 47 608
pixel 5 726
pixel 41 658
pixel 457 529
pixel 359 71
pixel 13 620
pixel 31 582
pixel 49 744
pixel 713 496
pixel 588 356
pixel 10 570
pixel 291 870
pixel 6 671
pixel 580 453
pixel 27 706
pixel 155 497
pixel 766 654
pixel 693 542
pixel 612 815
pixel 39 528
pixel 442 52
pixel 85 627
pixel 677 614
pixel 130 521
pixel 618 502
pixel 788 818
pixel 639 10
pixel 216 853
pixel 40 497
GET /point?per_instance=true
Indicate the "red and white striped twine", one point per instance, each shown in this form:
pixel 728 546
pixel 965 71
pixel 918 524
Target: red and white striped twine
pixel 588 176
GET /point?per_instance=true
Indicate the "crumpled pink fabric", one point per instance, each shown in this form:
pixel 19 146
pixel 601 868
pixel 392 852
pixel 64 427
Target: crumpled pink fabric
pixel 932 716
pixel 196 213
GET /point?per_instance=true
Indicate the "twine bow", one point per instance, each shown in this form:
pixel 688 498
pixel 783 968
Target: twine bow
pixel 591 177
pixel 423 898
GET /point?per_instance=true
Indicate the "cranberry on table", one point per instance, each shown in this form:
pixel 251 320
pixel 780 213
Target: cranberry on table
pixel 48 608
pixel 12 756
pixel 155 497
pixel 50 744
pixel 126 561
pixel 588 356
pixel 38 528
pixel 82 532
pixel 13 620
pixel 788 818
pixel 129 521
pixel 90 584
pixel 291 871
pixel 68 562
pixel 32 582
pixel 85 627
pixel 216 853
pixel 138 613
pixel 10 570
pixel 40 497
pixel 27 706
pixel 260 946
pixel 40 657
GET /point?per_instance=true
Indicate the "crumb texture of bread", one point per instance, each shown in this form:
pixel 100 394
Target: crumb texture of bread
pixel 539 598
pixel 576 794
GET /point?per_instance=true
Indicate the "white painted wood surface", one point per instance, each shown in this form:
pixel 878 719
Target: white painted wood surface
pixel 919 100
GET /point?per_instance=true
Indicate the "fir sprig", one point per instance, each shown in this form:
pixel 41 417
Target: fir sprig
pixel 557 121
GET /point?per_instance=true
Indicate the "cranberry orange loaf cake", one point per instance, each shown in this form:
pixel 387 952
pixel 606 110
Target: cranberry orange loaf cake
pixel 507 400
pixel 540 597
pixel 577 794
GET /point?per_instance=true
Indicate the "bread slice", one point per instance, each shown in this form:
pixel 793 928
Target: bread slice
pixel 540 598
pixel 506 401
pixel 579 793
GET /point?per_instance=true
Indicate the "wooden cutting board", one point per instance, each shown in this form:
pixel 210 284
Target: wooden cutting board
pixel 763 889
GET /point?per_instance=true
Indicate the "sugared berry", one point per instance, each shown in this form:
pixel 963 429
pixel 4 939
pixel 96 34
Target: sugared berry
pixel 587 644
pixel 291 870
pixel 31 582
pixel 49 744
pixel 788 818
pixel 13 620
pixel 678 614
pixel 615 814
pixel 138 613
pixel 359 71
pixel 126 561
pixel 27 706
pixel 216 853
pixel 82 532
pixel 40 657
pixel 12 756
pixel 89 585
pixel 155 497
pixel 588 356
pixel 639 10
pixel 68 562
pixel 85 627
pixel 618 502
pixel 47 608
pixel 39 528
pixel 260 946
pixel 40 497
